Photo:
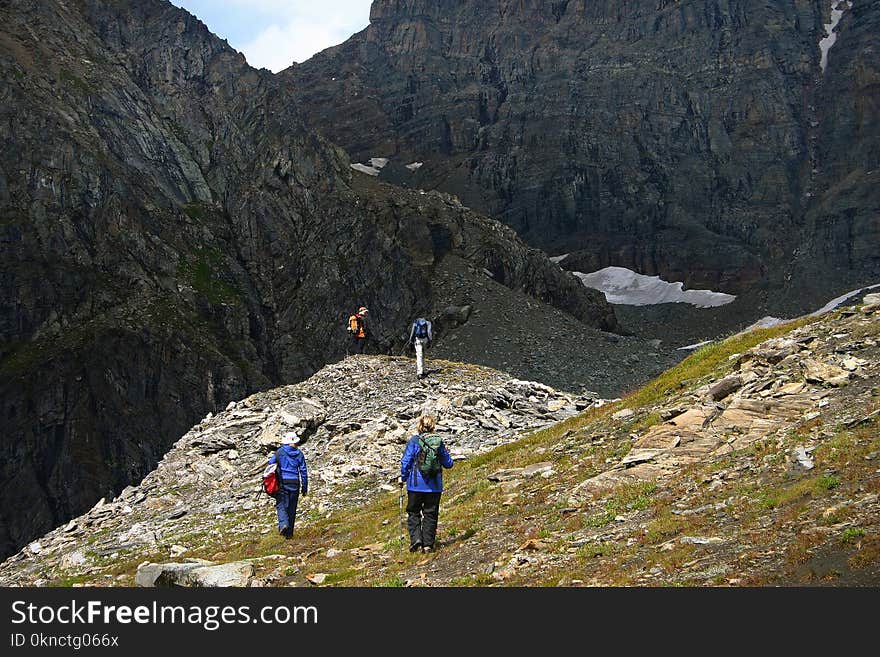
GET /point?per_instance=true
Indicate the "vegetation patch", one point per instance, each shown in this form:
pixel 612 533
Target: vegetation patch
pixel 852 534
pixel 868 553
pixel 194 211
pixel 203 270
pixel 70 79
pixel 787 494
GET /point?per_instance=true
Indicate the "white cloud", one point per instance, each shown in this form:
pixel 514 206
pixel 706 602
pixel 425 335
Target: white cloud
pixel 300 29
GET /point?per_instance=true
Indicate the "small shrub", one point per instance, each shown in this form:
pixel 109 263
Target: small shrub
pixel 852 534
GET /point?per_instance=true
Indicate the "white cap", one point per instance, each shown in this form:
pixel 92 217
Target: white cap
pixel 290 438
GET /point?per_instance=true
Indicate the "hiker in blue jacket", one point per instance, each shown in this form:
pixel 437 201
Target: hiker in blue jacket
pixel 294 479
pixel 421 334
pixel 423 492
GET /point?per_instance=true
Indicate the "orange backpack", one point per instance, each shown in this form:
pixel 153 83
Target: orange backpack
pixel 354 325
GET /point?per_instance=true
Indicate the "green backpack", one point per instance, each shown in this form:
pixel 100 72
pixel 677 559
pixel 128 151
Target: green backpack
pixel 428 458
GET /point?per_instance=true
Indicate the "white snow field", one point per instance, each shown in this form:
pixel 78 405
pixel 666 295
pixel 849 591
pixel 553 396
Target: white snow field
pixel 830 38
pixel 626 287
pixel 363 168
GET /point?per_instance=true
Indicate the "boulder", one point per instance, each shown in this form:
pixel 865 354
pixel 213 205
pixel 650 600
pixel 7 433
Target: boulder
pixel 816 371
pixel 195 573
pixel 725 387
pixel 300 415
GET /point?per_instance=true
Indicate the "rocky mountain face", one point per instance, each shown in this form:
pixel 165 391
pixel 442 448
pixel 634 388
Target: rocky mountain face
pixel 752 464
pixel 696 139
pixel 174 237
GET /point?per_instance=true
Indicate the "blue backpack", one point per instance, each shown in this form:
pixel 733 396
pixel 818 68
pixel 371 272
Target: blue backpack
pixel 421 328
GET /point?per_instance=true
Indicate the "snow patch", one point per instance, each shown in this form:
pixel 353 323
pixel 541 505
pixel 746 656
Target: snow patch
pixel 626 287
pixel 837 9
pixel 378 162
pixel 559 258
pixel 413 166
pixel 839 301
pixel 694 347
pixel 770 321
pixel 765 322
pixel 363 168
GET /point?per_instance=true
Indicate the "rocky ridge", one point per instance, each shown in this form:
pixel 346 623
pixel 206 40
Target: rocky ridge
pixel 752 463
pixel 355 418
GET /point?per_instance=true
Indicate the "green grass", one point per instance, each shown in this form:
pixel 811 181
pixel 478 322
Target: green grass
pixel 472 580
pixel 341 576
pixel 826 483
pixel 597 549
pixel 194 211
pixel 394 581
pixel 852 534
pixel 66 582
pixel 787 494
pixel 631 497
pixel 650 420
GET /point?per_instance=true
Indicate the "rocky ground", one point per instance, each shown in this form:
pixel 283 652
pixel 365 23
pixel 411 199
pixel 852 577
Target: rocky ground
pixel 681 324
pixel 753 462
pixel 355 418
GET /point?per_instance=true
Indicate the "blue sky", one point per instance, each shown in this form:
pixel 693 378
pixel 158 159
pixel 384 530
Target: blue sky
pixel 274 33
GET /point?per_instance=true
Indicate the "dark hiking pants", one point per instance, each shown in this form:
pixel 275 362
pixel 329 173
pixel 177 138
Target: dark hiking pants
pixel 285 505
pixel 422 510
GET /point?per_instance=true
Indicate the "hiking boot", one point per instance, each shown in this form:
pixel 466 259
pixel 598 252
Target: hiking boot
pixel 415 547
pixel 283 530
pixel 427 549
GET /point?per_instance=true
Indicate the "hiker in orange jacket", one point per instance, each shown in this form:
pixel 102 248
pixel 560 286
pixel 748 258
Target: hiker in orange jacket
pixel 359 329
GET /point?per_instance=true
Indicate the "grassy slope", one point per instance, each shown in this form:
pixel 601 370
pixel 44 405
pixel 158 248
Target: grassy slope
pixel 482 524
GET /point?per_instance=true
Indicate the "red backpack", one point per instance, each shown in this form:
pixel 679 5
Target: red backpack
pixel 272 476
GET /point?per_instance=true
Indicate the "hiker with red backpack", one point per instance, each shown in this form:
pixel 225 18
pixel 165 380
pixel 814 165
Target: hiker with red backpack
pixel 421 468
pixel 294 479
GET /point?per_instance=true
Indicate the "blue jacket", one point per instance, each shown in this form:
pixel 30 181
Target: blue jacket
pixel 410 472
pixel 293 466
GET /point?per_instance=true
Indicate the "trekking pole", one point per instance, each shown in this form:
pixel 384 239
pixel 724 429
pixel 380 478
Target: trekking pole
pixel 400 515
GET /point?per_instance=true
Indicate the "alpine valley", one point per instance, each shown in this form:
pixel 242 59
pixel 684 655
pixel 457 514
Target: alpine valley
pixel 578 193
